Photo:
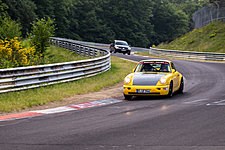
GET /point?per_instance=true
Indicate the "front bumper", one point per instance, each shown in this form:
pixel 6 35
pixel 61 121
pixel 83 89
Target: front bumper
pixel 120 50
pixel 154 90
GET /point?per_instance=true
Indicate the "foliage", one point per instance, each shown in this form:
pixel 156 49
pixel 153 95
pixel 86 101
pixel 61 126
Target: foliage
pixel 3 8
pixel 22 11
pixel 9 29
pixel 129 20
pixel 42 29
pixel 169 23
pixel 45 8
pixel 189 7
pixel 140 22
pixel 12 54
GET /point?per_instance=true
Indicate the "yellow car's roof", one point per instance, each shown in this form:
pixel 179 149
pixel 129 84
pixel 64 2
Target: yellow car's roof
pixel 156 60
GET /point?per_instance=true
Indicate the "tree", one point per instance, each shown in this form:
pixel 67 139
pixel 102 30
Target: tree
pixel 62 20
pixel 87 22
pixel 45 8
pixel 42 29
pixel 129 20
pixel 3 8
pixel 169 22
pixel 189 7
pixel 22 11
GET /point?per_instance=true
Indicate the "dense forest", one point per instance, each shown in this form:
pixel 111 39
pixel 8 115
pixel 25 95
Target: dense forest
pixel 140 22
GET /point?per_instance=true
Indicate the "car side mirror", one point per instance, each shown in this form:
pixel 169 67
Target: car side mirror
pixel 173 70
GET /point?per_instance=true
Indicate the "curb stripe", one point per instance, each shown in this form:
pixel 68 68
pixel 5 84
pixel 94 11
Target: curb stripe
pixel 59 109
pixel 84 105
pixel 54 110
pixel 21 115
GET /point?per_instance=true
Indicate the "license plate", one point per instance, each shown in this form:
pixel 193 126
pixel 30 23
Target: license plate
pixel 143 91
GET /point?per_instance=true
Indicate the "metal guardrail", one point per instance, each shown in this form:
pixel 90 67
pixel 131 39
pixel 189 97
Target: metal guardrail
pixel 188 54
pixel 106 46
pixel 15 79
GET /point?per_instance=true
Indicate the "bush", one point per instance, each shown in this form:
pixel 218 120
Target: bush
pixel 41 31
pixel 9 28
pixel 12 54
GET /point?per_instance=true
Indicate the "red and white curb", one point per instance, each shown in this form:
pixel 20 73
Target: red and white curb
pixel 59 109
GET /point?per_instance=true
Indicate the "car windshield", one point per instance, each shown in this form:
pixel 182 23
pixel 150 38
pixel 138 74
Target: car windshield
pixel 121 43
pixel 153 66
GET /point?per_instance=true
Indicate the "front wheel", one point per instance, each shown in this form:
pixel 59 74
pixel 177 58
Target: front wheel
pixel 181 86
pixel 170 94
pixel 128 97
pixel 128 53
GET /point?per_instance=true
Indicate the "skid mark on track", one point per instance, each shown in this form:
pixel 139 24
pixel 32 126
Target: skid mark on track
pixel 217 103
pixel 196 101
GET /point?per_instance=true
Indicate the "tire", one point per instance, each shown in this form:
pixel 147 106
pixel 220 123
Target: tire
pixel 128 97
pixel 128 53
pixel 170 94
pixel 181 86
pixel 111 49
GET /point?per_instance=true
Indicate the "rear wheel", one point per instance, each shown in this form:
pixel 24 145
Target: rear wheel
pixel 170 94
pixel 128 97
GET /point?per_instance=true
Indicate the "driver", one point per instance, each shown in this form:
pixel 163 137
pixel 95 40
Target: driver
pixel 164 68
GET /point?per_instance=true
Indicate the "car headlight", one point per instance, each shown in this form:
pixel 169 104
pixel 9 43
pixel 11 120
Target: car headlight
pixel 127 80
pixel 129 48
pixel 116 47
pixel 163 80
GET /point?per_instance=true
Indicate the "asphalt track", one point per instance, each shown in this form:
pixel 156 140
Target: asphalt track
pixel 194 120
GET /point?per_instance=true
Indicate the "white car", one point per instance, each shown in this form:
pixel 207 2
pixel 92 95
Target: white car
pixel 120 47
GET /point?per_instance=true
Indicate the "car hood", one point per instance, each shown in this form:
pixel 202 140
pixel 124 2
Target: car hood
pixel 147 78
pixel 122 46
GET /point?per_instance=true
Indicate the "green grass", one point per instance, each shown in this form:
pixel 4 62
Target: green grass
pixel 16 101
pixel 210 38
pixel 56 54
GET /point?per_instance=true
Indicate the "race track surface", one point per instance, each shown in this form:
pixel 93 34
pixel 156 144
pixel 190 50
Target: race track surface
pixel 190 121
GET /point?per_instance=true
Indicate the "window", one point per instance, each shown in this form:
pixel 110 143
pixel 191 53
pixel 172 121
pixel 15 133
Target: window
pixel 154 66
pixel 173 67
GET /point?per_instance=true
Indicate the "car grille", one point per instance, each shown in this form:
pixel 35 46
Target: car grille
pixel 123 48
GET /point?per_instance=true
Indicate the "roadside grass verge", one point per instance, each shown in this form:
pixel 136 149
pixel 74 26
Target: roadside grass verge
pixel 16 101
pixel 55 54
pixel 209 38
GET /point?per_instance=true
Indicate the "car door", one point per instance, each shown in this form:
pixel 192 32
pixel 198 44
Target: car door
pixel 175 77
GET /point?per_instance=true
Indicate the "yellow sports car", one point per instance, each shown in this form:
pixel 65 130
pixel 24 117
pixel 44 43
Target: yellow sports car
pixel 153 77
